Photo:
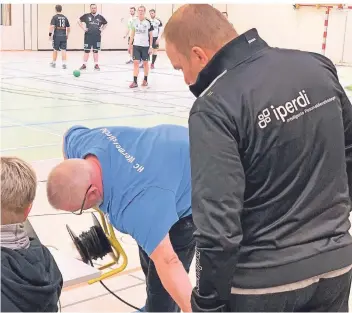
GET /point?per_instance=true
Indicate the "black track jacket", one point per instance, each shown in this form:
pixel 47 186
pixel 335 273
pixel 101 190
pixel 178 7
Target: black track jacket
pixel 271 156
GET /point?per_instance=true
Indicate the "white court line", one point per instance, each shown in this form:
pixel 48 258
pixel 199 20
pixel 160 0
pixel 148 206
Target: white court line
pixel 17 123
pixel 43 160
pixel 30 147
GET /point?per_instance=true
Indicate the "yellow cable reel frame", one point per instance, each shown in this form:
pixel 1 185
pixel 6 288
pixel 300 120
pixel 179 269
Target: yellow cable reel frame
pixel 118 251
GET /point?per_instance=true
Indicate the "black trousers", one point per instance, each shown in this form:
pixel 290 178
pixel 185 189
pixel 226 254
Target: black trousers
pixel 328 295
pixel 181 237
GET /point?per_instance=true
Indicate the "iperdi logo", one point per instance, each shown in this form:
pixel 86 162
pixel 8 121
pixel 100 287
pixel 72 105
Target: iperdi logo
pixel 283 111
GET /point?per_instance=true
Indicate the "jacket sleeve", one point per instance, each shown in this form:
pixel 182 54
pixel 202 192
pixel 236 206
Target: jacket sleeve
pixel 346 115
pixel 218 185
pixel 347 122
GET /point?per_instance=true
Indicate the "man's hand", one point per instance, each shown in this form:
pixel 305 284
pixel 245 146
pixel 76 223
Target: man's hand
pixel 129 48
pixel 172 274
pixel 150 51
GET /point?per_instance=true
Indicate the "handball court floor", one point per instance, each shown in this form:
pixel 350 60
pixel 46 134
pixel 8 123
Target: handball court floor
pixel 39 103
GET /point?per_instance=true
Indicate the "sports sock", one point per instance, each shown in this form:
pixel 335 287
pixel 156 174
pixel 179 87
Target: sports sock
pixel 153 58
pixel 146 78
pixel 135 79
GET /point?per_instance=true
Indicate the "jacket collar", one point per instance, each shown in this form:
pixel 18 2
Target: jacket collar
pixel 229 56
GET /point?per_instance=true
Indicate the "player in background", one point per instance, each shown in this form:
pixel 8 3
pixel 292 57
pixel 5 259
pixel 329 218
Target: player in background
pixel 58 33
pixel 157 32
pixel 129 30
pixel 94 25
pixel 141 42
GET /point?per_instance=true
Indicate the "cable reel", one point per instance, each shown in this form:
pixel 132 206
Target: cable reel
pixel 98 242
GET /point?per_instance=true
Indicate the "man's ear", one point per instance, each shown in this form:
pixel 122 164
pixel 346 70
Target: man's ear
pixel 27 211
pixel 200 54
pixel 93 194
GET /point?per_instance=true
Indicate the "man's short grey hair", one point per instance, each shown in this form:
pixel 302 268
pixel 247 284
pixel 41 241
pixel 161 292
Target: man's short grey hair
pixel 18 185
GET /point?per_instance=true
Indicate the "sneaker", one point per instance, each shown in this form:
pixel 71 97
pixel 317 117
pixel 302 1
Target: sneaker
pixel 133 85
pixel 152 66
pixel 129 62
pixel 145 83
pixel 96 67
pixel 53 65
pixel 83 67
pixel 64 66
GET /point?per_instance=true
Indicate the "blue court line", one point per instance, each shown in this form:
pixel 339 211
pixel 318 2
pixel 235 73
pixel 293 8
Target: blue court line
pixel 80 120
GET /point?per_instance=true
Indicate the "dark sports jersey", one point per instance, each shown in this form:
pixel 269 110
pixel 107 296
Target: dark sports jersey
pixel 157 25
pixel 93 23
pixel 60 22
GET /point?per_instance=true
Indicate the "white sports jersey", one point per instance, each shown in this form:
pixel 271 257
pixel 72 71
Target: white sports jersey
pixel 130 23
pixel 157 25
pixel 141 32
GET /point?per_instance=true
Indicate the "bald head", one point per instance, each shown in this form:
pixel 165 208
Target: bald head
pixel 198 25
pixel 67 184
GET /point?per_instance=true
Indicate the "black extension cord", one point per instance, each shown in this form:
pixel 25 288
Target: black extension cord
pixel 93 244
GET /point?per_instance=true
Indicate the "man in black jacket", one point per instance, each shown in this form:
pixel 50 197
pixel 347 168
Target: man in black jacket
pixel 30 278
pixel 271 158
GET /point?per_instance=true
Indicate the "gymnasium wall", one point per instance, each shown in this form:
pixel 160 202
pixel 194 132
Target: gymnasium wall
pixel 280 25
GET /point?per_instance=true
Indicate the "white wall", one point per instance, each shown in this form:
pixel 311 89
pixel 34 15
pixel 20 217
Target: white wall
pixel 12 37
pixel 279 25
pixel 282 26
pixel 73 12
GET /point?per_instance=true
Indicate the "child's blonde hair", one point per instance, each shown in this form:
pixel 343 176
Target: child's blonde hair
pixel 18 189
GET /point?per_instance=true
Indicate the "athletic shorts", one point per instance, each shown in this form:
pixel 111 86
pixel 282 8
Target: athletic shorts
pixel 155 46
pixel 60 43
pixel 140 53
pixel 92 42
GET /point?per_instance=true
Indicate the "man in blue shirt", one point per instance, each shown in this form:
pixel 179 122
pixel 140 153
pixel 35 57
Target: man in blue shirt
pixel 140 178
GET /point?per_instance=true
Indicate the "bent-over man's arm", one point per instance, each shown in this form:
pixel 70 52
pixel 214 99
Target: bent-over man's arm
pixel 172 274
pixel 148 220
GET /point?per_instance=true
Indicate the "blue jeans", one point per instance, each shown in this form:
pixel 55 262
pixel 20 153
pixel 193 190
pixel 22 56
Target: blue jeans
pixel 181 236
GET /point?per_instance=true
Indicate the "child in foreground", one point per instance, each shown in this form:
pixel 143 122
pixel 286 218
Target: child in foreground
pixel 30 278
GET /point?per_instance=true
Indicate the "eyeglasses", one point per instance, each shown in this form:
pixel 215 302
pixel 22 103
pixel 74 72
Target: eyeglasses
pixel 83 203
